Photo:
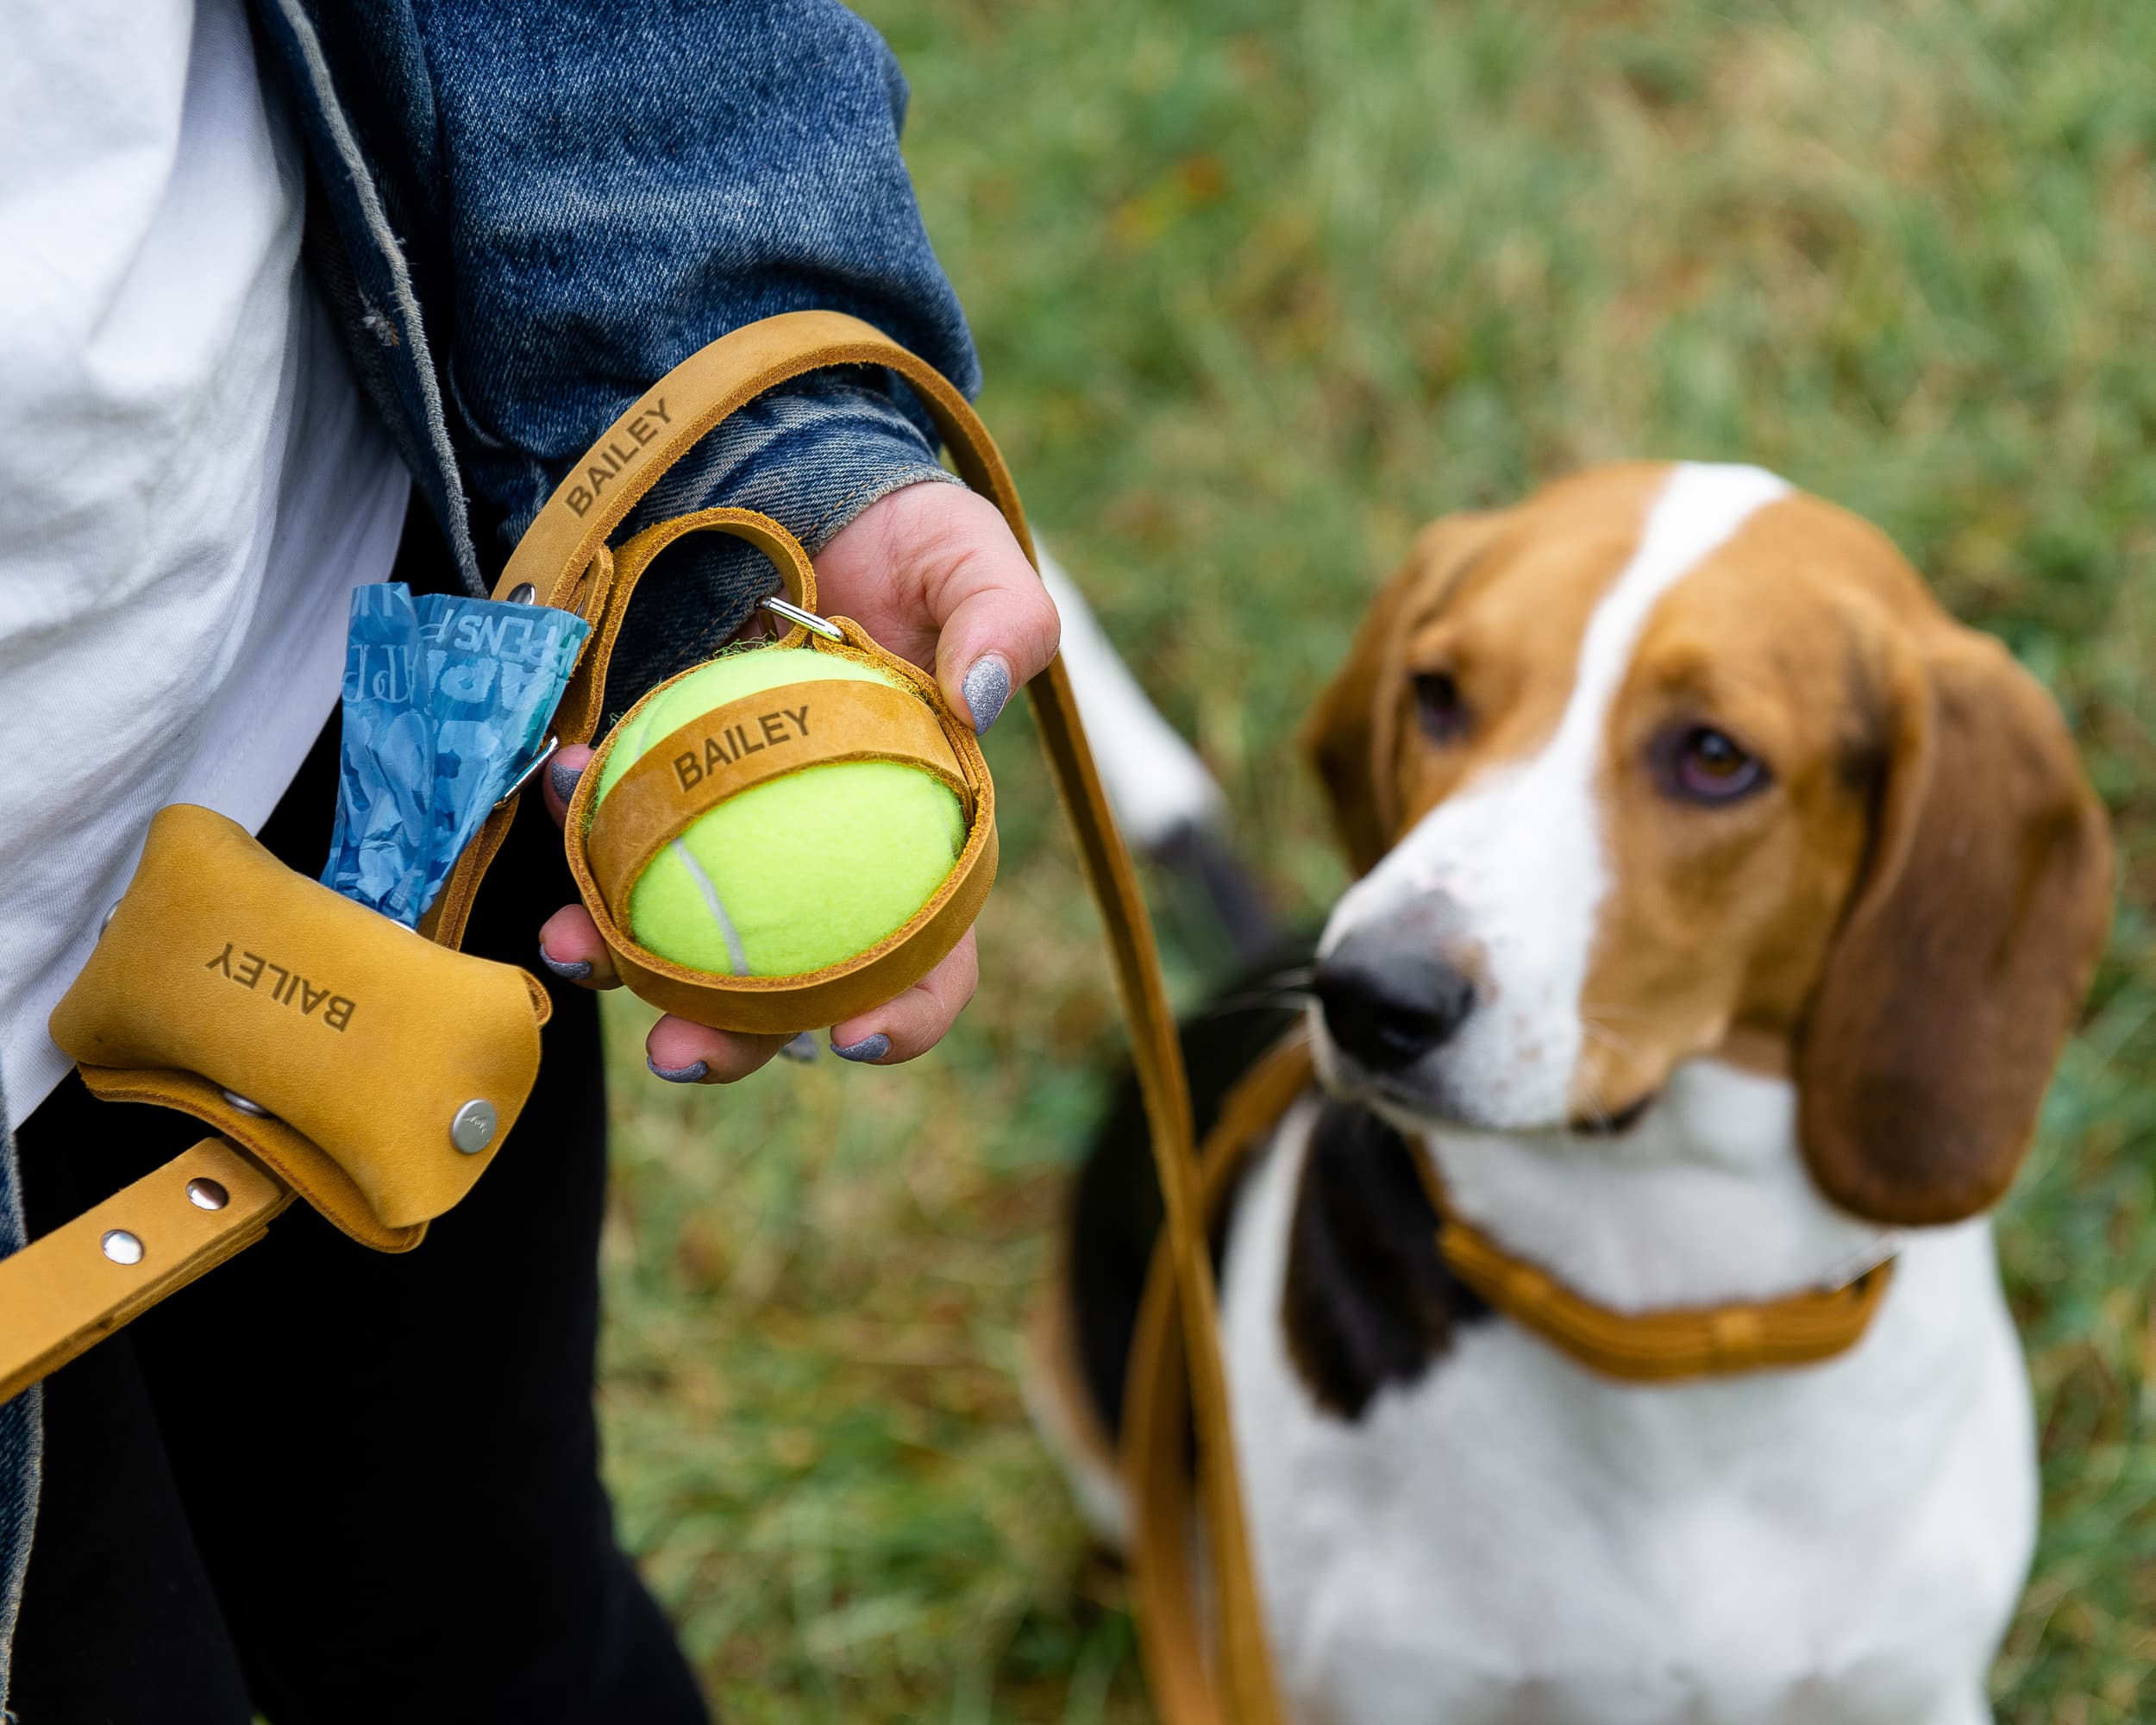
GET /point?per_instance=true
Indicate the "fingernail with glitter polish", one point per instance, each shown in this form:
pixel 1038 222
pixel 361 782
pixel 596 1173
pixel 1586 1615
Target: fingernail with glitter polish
pixel 569 970
pixel 804 1047
pixel 869 1049
pixel 694 1073
pixel 987 685
pixel 563 777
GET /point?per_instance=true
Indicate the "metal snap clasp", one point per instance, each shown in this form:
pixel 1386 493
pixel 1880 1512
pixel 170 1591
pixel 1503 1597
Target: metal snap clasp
pixel 472 1127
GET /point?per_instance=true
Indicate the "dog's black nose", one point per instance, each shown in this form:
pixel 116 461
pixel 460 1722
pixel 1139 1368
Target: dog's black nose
pixel 1388 1004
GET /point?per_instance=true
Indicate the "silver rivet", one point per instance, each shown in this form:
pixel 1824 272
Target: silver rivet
pixel 207 1195
pixel 523 593
pixel 472 1127
pixel 120 1246
pixel 246 1107
pixel 107 923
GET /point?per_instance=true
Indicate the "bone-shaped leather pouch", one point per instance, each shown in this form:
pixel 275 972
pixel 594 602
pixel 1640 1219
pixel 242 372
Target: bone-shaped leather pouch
pixel 378 1072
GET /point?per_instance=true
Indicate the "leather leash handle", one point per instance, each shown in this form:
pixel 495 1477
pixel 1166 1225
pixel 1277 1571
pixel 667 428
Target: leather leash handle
pixel 563 559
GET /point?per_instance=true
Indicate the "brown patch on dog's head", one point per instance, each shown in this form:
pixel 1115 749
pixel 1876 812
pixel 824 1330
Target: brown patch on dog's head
pixel 1899 907
pixel 1498 602
pixel 1904 919
pixel 1964 954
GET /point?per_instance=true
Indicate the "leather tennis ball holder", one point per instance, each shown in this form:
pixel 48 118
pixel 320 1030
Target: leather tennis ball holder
pixel 732 748
pixel 341 1057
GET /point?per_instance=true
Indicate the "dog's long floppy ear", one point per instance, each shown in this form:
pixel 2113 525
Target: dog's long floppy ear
pixel 1351 736
pixel 1965 949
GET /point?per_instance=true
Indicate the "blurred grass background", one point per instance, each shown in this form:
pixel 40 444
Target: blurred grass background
pixel 1259 287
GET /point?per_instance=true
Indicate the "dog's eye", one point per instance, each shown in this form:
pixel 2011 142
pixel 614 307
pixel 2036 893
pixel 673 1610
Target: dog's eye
pixel 1438 700
pixel 1709 765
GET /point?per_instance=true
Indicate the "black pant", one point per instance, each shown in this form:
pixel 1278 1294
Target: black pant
pixel 336 1485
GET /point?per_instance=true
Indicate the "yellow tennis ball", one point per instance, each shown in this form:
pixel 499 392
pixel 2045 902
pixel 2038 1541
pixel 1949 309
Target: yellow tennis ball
pixel 797 873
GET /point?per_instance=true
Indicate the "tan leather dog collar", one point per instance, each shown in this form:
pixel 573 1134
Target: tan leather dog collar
pixel 1670 1345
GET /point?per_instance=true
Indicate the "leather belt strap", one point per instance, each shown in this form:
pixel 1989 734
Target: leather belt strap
pixel 750 742
pixel 121 1256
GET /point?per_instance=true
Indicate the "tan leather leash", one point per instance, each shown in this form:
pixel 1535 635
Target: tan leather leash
pixel 58 1297
pixel 1157 1405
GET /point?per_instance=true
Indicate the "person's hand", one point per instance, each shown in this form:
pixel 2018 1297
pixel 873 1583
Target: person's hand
pixel 933 572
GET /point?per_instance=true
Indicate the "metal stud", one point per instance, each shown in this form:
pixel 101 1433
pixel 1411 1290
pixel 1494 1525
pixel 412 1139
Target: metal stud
pixel 246 1107
pixel 523 593
pixel 107 923
pixel 120 1246
pixel 207 1195
pixel 472 1127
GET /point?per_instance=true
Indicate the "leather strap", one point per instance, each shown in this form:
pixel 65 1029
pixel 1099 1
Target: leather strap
pixel 796 580
pixel 1670 1345
pixel 750 742
pixel 565 542
pixel 1157 1405
pixel 83 1281
pixel 290 1155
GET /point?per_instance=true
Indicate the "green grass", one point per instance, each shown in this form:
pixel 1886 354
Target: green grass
pixel 1259 288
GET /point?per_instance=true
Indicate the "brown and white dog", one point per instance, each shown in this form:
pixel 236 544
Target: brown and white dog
pixel 1722 906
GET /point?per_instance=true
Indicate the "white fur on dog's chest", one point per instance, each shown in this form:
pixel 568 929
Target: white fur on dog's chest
pixel 1511 1538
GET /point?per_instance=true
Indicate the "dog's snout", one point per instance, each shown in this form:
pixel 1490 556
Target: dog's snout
pixel 1388 1004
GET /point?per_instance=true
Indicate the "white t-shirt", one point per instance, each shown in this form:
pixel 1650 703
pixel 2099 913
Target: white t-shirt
pixel 190 483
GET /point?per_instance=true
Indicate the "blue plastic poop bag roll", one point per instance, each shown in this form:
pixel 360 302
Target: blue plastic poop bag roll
pixel 446 702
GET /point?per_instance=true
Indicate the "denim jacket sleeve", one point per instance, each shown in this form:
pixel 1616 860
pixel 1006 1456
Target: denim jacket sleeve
pixel 525 213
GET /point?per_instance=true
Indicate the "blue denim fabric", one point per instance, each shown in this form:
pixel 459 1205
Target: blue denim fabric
pixel 21 1438
pixel 524 213
pixel 521 214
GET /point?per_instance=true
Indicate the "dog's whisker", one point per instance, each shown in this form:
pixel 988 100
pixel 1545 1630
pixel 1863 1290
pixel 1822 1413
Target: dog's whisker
pixel 1589 1010
pixel 1609 1038
pixel 1254 1000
